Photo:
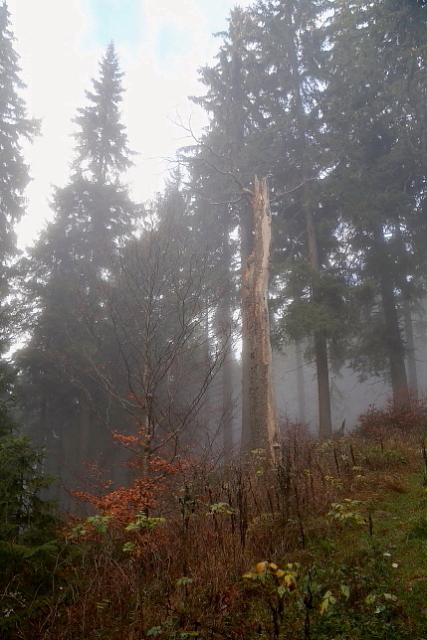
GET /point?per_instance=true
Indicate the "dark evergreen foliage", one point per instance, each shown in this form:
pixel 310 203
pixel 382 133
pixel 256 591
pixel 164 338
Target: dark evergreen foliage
pixel 263 98
pixel 128 331
pixel 24 516
pixel 14 127
pixel 102 152
pixel 94 215
pixel 374 115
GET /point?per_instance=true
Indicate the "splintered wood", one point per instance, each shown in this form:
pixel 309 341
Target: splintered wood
pixel 261 430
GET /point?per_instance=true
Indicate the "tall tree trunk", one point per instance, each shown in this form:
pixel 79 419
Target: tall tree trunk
pixel 224 322
pixel 84 432
pixel 300 383
pixel 261 429
pixel 410 348
pixel 407 316
pixel 228 406
pixel 145 421
pixel 393 338
pixel 237 98
pixel 323 391
pixel 394 345
pixel 320 344
pixel 246 246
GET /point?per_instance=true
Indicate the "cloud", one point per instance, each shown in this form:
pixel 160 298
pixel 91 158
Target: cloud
pixel 55 68
pixel 61 43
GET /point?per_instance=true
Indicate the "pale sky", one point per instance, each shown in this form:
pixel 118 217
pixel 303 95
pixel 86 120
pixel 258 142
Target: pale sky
pixel 161 44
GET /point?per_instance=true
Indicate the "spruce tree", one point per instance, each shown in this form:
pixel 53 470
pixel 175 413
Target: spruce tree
pixel 26 520
pixel 102 154
pixel 15 126
pixel 294 57
pixel 219 169
pixel 93 216
pixel 22 514
pixel 375 118
pixel 264 99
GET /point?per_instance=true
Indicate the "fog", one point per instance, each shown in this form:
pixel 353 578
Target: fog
pixel 168 298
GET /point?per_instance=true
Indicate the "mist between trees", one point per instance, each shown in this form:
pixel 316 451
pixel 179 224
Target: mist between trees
pixel 140 318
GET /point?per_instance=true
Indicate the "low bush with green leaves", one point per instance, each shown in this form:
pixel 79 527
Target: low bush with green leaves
pixel 29 545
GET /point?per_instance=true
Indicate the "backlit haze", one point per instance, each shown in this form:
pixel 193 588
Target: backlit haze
pixel 160 43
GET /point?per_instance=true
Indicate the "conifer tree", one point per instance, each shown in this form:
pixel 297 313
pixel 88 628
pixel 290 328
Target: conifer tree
pixel 24 515
pixel 15 126
pixel 102 154
pixel 218 170
pixel 93 215
pixel 375 117
pixel 264 95
pixel 294 57
pixel 26 520
pixel 19 480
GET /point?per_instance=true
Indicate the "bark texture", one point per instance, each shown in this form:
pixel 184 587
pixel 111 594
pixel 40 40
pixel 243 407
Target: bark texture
pixel 260 428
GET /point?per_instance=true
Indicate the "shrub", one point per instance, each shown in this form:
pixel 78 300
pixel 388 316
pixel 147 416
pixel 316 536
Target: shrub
pixel 28 550
pixel 402 417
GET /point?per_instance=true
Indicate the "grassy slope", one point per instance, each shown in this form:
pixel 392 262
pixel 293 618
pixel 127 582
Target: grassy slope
pixel 385 561
pixel 363 571
pixel 314 571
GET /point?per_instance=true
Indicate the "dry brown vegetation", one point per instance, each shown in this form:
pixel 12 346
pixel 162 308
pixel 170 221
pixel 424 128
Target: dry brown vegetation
pixel 175 568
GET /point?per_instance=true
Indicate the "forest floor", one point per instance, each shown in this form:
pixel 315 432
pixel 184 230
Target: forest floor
pixel 377 559
pixel 329 544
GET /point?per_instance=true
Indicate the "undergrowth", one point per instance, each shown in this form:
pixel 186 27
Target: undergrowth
pixel 330 542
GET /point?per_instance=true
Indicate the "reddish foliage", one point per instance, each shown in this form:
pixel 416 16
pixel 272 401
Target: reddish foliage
pixel 400 417
pixel 124 503
pixel 155 479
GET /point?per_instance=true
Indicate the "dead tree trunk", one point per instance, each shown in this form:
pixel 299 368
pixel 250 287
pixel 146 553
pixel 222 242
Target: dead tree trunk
pixel 260 429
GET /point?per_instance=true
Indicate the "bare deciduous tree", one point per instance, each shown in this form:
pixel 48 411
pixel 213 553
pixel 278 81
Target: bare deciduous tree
pixel 149 346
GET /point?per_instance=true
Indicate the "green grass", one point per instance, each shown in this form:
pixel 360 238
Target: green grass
pixel 362 575
pixel 341 557
pixel 382 563
pixel 404 535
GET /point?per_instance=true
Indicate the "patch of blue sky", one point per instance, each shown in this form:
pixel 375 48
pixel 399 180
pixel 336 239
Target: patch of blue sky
pixel 117 20
pixel 218 12
pixel 171 42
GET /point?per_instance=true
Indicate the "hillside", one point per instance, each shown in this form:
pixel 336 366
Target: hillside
pixel 331 543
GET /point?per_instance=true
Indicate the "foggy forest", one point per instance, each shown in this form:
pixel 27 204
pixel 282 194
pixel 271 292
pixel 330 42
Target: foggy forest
pixel 213 416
